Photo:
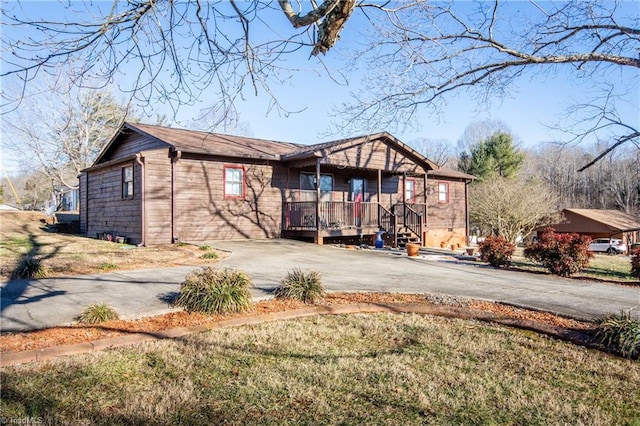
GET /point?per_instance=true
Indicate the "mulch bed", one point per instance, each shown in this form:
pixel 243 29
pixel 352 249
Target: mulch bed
pixel 14 342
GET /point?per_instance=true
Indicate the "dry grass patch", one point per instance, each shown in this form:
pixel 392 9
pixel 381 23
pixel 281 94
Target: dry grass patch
pixel 23 234
pixel 359 369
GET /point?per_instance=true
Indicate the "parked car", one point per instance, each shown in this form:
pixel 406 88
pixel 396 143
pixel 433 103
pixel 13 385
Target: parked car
pixel 608 245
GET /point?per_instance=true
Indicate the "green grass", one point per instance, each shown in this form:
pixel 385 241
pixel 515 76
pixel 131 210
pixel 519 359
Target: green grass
pixel 352 370
pixel 108 266
pixel 209 255
pixel 205 247
pixel 21 244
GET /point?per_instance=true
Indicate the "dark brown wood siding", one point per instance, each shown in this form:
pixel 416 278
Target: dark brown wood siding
pixel 374 155
pixel 131 144
pixel 203 213
pixel 83 203
pixel 108 211
pixel 446 221
pixel 158 198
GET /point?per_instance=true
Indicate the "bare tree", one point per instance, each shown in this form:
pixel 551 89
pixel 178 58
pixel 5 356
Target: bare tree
pixel 440 151
pixel 611 183
pixel 62 133
pixel 419 52
pixel 431 50
pixel 511 207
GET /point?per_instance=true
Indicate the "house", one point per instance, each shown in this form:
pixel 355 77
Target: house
pixel 159 185
pixel 600 224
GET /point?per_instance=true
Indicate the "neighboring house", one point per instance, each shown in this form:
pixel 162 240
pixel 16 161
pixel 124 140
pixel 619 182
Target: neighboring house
pixel 158 185
pixel 600 224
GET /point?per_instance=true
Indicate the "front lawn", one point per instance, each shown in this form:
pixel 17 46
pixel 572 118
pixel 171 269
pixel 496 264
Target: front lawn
pixel 611 268
pixel 357 369
pixel 26 234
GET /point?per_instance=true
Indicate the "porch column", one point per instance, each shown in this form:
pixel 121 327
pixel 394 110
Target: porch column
pixel 379 185
pixel 318 236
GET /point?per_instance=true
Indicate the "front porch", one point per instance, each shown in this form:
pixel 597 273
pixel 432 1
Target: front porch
pixel 319 220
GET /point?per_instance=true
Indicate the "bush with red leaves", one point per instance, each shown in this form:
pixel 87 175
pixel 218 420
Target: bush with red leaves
pixel 497 251
pixel 562 254
pixel 635 263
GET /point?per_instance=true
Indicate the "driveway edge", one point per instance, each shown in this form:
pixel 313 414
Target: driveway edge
pixel 37 355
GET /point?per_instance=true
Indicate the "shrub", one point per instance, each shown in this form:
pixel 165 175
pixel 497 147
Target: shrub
pixel 304 286
pixel 97 313
pixel 635 263
pixel 620 334
pixel 215 291
pixel 209 255
pixel 562 254
pixel 205 247
pixel 497 251
pixel 29 267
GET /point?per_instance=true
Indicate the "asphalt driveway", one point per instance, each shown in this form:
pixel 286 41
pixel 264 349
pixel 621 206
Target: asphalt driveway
pixel 31 304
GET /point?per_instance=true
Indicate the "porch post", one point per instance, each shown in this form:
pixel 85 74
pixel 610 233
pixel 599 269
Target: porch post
pixel 318 237
pixel 379 185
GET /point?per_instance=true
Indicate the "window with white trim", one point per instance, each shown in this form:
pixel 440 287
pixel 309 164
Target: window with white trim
pixel 127 182
pixel 443 192
pixel 234 182
pixel 410 190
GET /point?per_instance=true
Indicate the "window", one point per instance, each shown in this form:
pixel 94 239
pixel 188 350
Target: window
pixel 410 190
pixel 308 186
pixel 127 182
pixel 443 192
pixel 234 182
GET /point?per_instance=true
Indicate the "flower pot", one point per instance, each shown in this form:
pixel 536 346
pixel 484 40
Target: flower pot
pixel 470 250
pixel 413 249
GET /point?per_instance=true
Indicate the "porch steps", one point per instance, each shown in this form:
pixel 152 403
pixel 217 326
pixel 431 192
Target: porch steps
pixel 407 237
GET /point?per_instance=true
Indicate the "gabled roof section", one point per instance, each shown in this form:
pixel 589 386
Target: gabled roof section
pixel 327 148
pixel 198 142
pixel 611 218
pixel 449 173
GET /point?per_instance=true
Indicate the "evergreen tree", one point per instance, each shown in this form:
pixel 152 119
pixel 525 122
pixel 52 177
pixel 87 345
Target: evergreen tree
pixel 495 156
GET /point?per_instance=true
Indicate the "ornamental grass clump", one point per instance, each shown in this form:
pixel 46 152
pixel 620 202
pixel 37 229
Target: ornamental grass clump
pixel 215 291
pixel 620 334
pixel 497 251
pixel 97 313
pixel 561 254
pixel 30 267
pixel 304 286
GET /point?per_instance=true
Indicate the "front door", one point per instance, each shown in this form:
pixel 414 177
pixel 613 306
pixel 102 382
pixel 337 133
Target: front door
pixel 357 196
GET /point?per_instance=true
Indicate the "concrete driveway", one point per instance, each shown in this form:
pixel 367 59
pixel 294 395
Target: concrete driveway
pixel 31 304
pixel 381 271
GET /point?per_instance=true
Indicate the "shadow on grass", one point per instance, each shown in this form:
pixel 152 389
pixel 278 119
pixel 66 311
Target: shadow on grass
pixel 13 291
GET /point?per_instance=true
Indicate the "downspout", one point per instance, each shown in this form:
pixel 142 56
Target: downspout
pixel 176 155
pixel 86 204
pixel 466 210
pixel 174 159
pixel 143 201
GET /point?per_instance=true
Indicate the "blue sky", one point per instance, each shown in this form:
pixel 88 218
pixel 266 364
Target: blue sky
pixel 533 102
